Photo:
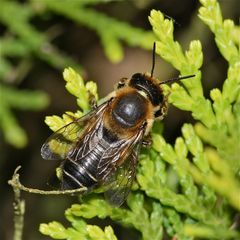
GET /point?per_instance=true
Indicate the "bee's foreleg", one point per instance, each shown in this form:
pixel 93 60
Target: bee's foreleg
pixel 92 100
pixel 147 141
pixel 122 82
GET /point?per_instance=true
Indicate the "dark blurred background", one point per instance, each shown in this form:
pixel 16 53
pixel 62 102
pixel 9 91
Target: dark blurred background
pixel 84 47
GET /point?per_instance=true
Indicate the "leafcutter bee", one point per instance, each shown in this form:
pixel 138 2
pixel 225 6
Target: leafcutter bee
pixel 102 147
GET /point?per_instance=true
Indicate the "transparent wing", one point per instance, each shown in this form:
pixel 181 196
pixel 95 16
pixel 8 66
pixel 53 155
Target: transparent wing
pixel 117 179
pixel 60 143
pixel 85 144
pixel 120 181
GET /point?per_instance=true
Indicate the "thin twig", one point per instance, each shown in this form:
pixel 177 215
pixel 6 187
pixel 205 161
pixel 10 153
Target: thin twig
pixel 15 183
pixel 19 210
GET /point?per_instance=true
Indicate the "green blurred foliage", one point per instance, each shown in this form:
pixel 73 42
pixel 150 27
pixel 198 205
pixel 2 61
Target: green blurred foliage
pixel 22 100
pixel 189 190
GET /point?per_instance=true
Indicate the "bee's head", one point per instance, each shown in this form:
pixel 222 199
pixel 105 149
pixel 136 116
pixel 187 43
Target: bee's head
pixel 149 86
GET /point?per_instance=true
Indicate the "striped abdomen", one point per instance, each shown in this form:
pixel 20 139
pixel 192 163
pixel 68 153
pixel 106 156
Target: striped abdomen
pixel 82 172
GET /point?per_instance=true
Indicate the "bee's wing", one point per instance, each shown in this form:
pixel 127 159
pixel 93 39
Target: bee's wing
pixel 120 181
pixel 60 143
pixel 117 180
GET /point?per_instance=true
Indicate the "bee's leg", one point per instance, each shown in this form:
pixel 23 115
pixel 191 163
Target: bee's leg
pixel 122 82
pixel 147 141
pixel 92 101
pixel 162 112
pixel 71 116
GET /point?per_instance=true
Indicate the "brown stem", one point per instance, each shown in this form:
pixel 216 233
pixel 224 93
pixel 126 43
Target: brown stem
pixel 19 210
pixel 15 183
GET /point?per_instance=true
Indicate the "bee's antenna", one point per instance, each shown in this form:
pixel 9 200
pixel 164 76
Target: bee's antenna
pixel 172 19
pixel 176 79
pixel 153 58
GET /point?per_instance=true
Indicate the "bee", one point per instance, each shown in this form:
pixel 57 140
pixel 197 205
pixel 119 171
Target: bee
pixel 101 148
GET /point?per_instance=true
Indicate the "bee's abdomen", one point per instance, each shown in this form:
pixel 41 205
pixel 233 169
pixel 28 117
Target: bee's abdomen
pixel 82 172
